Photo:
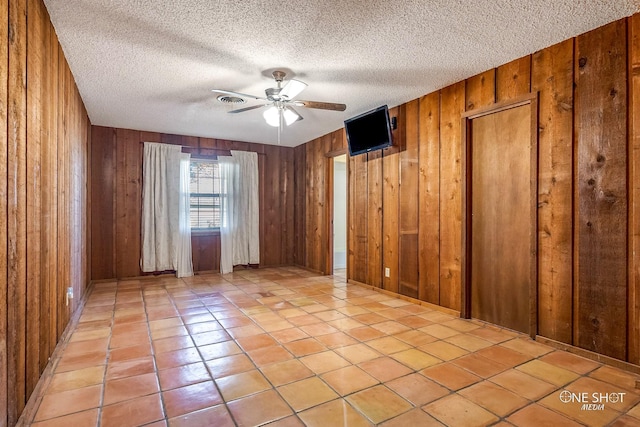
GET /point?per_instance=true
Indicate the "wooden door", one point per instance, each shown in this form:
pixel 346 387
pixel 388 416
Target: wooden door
pixel 501 217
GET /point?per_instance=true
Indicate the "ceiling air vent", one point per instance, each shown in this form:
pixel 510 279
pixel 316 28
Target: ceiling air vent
pixel 227 99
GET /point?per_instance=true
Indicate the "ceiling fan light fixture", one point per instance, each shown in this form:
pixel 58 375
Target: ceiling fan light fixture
pixel 272 116
pixel 292 89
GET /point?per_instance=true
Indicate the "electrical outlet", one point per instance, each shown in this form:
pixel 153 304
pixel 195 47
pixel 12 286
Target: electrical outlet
pixel 69 294
pixel 387 272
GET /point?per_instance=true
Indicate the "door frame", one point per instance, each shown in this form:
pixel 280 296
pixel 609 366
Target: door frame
pixel 466 167
pixel 328 228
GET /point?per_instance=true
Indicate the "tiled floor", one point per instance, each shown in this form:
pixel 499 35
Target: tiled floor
pixel 286 348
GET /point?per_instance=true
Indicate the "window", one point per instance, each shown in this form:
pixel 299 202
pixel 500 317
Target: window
pixel 205 194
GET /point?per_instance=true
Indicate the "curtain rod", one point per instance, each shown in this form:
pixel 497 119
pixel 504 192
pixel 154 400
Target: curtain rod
pixel 203 148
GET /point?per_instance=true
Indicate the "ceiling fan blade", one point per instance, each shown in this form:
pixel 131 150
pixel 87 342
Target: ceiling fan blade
pixel 242 110
pixel 321 105
pixel 241 95
pixel 292 89
pixel 299 116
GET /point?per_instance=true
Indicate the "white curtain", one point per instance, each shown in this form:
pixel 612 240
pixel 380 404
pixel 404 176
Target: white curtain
pixel 239 232
pixel 166 242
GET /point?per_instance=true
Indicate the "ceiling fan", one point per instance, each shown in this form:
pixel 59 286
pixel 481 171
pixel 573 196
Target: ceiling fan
pixel 280 101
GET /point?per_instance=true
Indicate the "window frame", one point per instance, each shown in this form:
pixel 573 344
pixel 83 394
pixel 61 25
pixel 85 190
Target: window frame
pixel 209 230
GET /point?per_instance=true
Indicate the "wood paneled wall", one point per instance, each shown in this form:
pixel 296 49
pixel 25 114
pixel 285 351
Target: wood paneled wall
pixel 44 143
pixel 405 202
pixel 116 204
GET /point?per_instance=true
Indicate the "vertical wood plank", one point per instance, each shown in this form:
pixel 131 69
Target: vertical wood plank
pixel 390 198
pixel 272 207
pixel 16 209
pixel 374 218
pixel 513 79
pixel 300 188
pixel 287 200
pixel 102 207
pixel 4 302
pixel 552 78
pixel 634 190
pixel 429 198
pixel 480 90
pixel 128 192
pixel 358 227
pixel 35 49
pixel 451 108
pixel 408 202
pixel 601 190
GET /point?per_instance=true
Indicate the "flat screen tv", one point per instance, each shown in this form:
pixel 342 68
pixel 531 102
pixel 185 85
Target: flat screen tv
pixel 369 131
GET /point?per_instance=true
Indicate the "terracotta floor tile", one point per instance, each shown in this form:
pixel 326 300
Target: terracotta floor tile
pixel 415 359
pixel 345 324
pixel 128 339
pixel 329 315
pixel 268 355
pixel 492 335
pixel 317 329
pixel 536 416
pixel 439 331
pixel 76 379
pixel 307 319
pixel 334 413
pixel 414 322
pixel 171 359
pixel 211 337
pixel 635 411
pixel 155 325
pixel 175 331
pixel 450 376
pixel 140 411
pixel 504 356
pixel 415 417
pixel 617 377
pixel 523 384
pixel 90 334
pixel 205 319
pixel 305 347
pixel 286 372
pixel 256 341
pixel 181 376
pixel 443 350
pixel 603 390
pixel 236 386
pixel 370 318
pixel 217 416
pixel 288 335
pixel 336 340
pixel 306 393
pixel 379 403
pixel 234 322
pixel 80 361
pixel 357 353
pixel 549 373
pixel 221 349
pixel 469 342
pixel 348 380
pixel 129 368
pixel 570 362
pixel 259 409
pixel 229 365
pixel 172 343
pixel 526 346
pixel 462 325
pixel 391 327
pixel 202 327
pixel 84 418
pixel 365 333
pixel 83 347
pixel 455 411
pixel 388 345
pixel 324 362
pixel 417 389
pixel 479 365
pixel 625 421
pixel 129 353
pixel 496 399
pixel 70 401
pixel 191 398
pixel 130 388
pixel 384 368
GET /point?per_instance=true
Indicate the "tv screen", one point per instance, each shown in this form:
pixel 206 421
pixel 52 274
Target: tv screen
pixel 368 131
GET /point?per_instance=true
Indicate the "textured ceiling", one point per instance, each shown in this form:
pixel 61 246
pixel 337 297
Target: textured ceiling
pixel 150 65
